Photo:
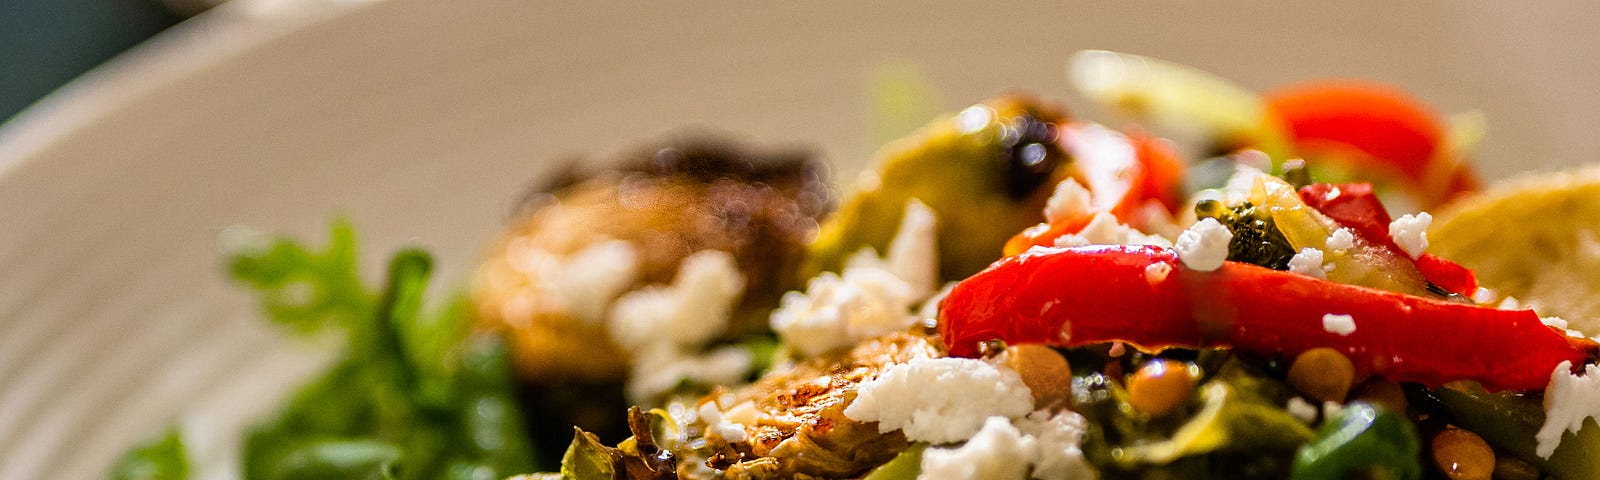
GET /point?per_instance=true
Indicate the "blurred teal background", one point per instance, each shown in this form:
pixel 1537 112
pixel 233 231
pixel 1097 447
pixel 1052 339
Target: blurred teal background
pixel 46 43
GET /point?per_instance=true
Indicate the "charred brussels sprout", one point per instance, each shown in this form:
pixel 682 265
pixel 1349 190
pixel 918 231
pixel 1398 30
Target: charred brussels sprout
pixel 1256 238
pixel 986 172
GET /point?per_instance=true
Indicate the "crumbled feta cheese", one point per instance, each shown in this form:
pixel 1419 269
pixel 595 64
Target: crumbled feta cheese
pixel 836 311
pixel 1005 450
pixel 1105 229
pixel 594 276
pixel 1341 240
pixel 1301 410
pixel 1204 246
pixel 1331 408
pixel 998 451
pixel 1338 324
pixel 1059 438
pixel 941 400
pixel 581 284
pixel 1309 263
pixel 1070 200
pixel 1410 232
pixel 1568 402
pixel 660 369
pixel 716 421
pixel 694 309
pixel 1509 303
pixel 914 251
pixel 873 297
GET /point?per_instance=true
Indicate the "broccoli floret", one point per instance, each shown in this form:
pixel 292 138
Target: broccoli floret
pixel 1256 239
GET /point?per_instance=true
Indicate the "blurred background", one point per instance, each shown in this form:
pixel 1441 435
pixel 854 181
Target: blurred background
pixel 421 121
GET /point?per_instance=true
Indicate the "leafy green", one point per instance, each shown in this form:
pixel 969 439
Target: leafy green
pixel 414 396
pixel 587 458
pixel 1362 439
pixel 1509 421
pixel 162 459
pixel 637 458
pixel 1233 429
pixel 303 289
pixel 905 466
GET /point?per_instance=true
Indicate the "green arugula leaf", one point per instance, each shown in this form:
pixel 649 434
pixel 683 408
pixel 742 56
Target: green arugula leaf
pixel 417 384
pixel 162 459
pixel 300 288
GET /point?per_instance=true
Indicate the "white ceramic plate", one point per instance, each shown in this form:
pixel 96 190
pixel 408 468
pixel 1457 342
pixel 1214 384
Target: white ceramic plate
pixel 420 120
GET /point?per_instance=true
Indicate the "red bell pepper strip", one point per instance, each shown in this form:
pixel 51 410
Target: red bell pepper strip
pixel 1145 296
pixel 1388 128
pixel 1382 121
pixel 1154 178
pixel 1355 206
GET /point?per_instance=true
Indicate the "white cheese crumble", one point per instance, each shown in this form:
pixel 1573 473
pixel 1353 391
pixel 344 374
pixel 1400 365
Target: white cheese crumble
pixel 1058 437
pixel 583 283
pixel 1341 240
pixel 729 425
pixel 1069 200
pixel 1510 303
pixel 1331 409
pixel 1048 445
pixel 998 451
pixel 839 311
pixel 1410 232
pixel 1338 324
pixel 872 297
pixel 941 400
pixel 1105 229
pixel 1301 410
pixel 664 325
pixel 1204 246
pixel 694 309
pixel 1309 263
pixel 1561 324
pixel 1569 401
pixel 914 251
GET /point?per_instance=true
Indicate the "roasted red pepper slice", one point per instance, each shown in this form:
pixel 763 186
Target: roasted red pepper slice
pixel 1144 296
pixel 1355 206
pixel 1395 132
pixel 1153 180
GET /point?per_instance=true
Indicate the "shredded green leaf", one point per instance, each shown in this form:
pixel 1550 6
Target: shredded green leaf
pixel 414 396
pixel 162 459
pixel 304 289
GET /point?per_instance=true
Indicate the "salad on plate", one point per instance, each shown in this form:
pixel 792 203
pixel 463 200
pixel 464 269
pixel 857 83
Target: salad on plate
pixel 1233 285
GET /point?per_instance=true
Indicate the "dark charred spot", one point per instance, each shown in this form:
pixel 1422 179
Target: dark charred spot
pixel 1031 153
